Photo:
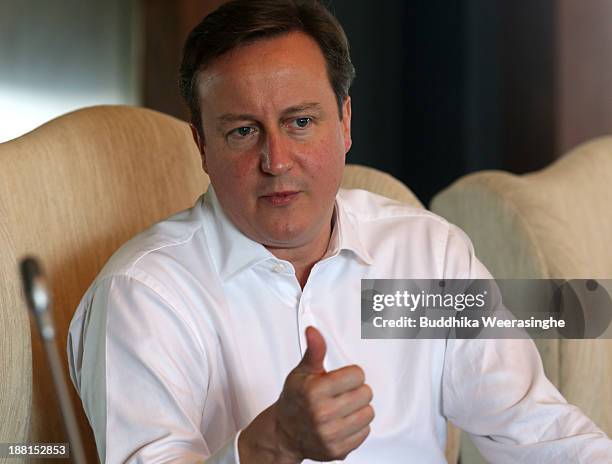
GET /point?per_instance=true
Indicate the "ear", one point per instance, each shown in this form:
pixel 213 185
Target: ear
pixel 346 124
pixel 200 144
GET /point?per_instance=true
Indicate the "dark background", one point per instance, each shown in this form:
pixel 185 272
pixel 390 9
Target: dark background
pixel 436 96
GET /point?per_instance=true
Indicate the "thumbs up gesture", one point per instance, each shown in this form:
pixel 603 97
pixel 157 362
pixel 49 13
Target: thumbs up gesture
pixel 312 361
pixel 319 415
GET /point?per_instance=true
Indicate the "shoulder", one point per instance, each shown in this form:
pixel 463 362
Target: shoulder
pixel 369 208
pixel 391 228
pixel 152 249
pixel 171 258
pixel 155 276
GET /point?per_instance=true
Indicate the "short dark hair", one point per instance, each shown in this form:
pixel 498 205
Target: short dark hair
pixel 240 22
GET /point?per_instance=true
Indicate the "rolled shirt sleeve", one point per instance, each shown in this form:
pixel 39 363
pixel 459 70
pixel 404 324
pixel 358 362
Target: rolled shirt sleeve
pixel 142 376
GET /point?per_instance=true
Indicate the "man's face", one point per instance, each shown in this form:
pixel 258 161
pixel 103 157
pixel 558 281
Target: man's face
pixel 274 145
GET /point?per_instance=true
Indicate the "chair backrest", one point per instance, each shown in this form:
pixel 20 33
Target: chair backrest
pixel 15 350
pixel 71 192
pixel 554 223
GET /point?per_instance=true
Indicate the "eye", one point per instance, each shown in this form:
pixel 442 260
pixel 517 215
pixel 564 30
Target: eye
pixel 243 131
pixel 243 137
pixel 302 123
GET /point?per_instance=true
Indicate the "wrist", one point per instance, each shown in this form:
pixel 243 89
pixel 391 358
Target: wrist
pixel 263 442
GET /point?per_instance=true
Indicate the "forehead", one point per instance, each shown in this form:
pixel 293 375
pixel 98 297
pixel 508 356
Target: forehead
pixel 270 70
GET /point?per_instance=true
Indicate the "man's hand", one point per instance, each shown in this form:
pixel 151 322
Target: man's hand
pixel 320 415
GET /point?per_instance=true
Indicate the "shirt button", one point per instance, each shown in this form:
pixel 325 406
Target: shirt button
pixel 278 268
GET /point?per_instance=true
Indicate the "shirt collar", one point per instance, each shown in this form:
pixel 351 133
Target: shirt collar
pixel 346 234
pixel 233 252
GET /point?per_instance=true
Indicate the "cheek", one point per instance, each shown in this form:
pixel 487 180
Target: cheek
pixel 231 169
pixel 326 160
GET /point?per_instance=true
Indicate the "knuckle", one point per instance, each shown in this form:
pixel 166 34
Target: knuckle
pixel 366 433
pixel 368 392
pixel 369 413
pixel 358 372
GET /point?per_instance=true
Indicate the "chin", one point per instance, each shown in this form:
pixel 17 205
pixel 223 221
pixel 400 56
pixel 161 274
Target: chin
pixel 286 237
pixel 284 240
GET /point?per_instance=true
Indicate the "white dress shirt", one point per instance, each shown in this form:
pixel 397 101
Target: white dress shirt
pixel 191 328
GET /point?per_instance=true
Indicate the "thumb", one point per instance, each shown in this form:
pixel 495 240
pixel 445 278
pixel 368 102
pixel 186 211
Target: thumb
pixel 312 361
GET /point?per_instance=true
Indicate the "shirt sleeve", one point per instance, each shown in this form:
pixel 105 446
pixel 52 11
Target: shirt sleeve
pixel 496 390
pixel 142 375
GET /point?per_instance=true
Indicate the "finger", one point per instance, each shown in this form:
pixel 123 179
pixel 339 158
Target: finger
pixel 353 442
pixel 340 429
pixel 341 380
pixel 312 362
pixel 349 402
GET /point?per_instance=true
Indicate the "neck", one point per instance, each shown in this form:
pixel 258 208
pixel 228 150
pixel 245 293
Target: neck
pixel 304 257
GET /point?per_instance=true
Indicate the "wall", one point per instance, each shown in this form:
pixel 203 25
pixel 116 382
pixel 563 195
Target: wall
pixel 62 55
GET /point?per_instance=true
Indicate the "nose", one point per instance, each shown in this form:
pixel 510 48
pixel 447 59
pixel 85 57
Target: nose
pixel 276 156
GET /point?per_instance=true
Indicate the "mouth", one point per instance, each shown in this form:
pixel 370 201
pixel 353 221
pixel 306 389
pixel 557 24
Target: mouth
pixel 281 198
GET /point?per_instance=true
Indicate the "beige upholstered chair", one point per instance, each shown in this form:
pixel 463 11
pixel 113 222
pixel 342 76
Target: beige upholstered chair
pixel 15 353
pixel 71 192
pixel 554 223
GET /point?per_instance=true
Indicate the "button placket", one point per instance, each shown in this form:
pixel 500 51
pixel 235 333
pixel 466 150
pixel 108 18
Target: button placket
pixel 304 319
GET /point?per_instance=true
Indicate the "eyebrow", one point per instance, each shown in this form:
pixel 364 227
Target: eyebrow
pixel 231 117
pixel 302 107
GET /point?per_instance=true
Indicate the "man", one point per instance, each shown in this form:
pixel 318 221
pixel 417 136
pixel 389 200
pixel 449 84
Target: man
pixel 198 342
